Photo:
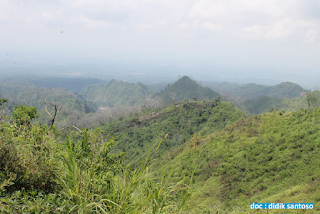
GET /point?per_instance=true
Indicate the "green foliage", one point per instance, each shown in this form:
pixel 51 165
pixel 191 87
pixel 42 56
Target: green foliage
pixel 261 104
pixel 71 101
pixel 264 104
pixel 312 99
pixel 136 135
pixel 218 86
pixel 23 114
pixel 74 106
pixel 41 173
pixel 252 91
pixel 26 158
pixel 272 157
pixel 158 87
pixel 14 87
pixel 286 90
pixel 185 88
pixel 116 93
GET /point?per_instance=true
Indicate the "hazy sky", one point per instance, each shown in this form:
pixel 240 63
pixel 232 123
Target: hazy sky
pixel 236 39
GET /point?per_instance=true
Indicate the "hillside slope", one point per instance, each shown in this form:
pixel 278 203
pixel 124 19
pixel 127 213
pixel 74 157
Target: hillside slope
pixel 219 86
pixel 73 105
pixel 158 87
pixel 282 90
pixel 264 104
pixel 186 88
pixel 14 87
pixel 274 157
pixel 116 93
pixel 136 135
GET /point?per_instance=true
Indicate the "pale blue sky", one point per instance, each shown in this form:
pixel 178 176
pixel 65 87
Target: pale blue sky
pixel 237 39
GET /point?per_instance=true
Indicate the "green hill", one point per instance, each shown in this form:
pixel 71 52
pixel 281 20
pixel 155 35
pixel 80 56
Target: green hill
pixel 274 157
pixel 14 87
pixel 264 104
pixel 73 105
pixel 186 88
pixel 283 90
pixel 116 93
pixel 136 135
pixel 158 87
pixel 286 90
pixel 219 86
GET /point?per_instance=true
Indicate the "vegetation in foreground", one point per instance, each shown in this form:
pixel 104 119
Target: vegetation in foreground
pixel 41 173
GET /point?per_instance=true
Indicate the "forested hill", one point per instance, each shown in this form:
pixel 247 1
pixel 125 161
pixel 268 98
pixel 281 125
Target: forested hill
pixel 158 87
pixel 116 93
pixel 282 90
pixel 265 104
pixel 185 88
pixel 219 86
pixel 136 135
pixel 268 158
pixel 14 87
pixel 73 105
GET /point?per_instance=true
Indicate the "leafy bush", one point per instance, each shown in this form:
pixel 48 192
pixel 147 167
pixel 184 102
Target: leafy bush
pixel 41 173
pixel 23 114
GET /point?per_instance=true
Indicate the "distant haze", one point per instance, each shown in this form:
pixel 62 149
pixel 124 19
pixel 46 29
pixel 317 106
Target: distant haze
pixel 260 41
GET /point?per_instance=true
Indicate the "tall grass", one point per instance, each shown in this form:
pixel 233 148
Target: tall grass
pixel 91 179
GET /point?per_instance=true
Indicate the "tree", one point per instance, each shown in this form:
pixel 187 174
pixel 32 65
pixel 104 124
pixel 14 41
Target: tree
pixel 23 114
pixel 312 102
pixel 56 111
